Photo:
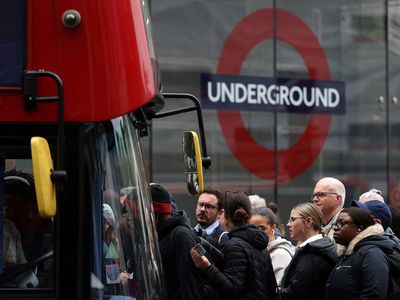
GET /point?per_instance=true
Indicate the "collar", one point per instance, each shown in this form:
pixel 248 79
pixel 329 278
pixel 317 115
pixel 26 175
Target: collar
pixel 332 220
pixel 376 229
pixel 311 239
pixel 210 229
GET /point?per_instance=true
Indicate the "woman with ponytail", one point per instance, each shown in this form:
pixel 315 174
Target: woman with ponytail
pixel 247 271
pixel 315 256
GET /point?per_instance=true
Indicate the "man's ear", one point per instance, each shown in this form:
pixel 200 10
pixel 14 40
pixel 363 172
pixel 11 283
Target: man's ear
pixel 340 200
pixel 220 212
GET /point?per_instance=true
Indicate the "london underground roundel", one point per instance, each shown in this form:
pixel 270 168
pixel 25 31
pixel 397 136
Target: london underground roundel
pixel 256 158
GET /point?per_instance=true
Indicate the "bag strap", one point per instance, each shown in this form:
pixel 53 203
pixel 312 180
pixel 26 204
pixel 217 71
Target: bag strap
pixel 222 234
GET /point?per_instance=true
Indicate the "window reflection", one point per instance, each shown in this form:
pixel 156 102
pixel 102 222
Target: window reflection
pixel 125 256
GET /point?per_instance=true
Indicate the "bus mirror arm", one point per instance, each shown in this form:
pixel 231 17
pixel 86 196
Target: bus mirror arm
pixel 58 176
pixel 31 99
pixel 206 160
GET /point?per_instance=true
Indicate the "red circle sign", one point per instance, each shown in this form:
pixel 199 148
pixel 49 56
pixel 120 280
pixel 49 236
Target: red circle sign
pixel 256 158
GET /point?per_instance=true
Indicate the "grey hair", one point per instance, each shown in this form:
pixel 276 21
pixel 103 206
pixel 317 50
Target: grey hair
pixel 266 212
pixel 371 195
pixel 257 202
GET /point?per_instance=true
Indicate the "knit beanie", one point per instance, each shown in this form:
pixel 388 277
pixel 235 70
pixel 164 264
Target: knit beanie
pixel 161 199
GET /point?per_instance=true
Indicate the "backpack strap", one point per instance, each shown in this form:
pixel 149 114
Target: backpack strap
pixel 222 234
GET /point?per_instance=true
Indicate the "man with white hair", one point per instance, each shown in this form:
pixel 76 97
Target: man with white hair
pixel 373 202
pixel 256 202
pixel 329 195
pixel 371 195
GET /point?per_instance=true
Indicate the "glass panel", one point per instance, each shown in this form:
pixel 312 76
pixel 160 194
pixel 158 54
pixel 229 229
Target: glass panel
pixel 26 239
pixel 394 101
pixel 12 41
pixel 190 36
pixel 349 146
pixel 125 256
pixel 347 48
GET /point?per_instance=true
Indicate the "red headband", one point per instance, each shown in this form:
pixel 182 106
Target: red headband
pixel 162 208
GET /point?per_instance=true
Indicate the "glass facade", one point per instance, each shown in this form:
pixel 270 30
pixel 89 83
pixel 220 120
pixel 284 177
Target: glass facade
pixel 280 155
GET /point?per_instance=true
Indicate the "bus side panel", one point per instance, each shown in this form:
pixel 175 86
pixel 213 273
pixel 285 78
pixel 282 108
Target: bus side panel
pixel 104 62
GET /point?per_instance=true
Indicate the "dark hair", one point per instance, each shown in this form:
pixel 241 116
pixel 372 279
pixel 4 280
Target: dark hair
pixel 272 206
pixel 359 216
pixel 126 233
pixel 217 194
pixel 266 213
pixel 237 208
pixel 395 226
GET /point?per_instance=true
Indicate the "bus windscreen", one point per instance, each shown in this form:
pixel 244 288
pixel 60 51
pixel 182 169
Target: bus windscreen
pixel 12 42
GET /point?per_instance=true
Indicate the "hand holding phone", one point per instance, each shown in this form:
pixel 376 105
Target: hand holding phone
pixel 198 256
pixel 199 249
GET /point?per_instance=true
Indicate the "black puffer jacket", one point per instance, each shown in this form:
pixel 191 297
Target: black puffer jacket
pixel 372 281
pixel 306 275
pixel 247 270
pixel 182 279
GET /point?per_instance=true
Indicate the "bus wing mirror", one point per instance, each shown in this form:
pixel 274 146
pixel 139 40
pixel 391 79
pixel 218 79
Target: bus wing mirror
pixel 193 163
pixel 42 170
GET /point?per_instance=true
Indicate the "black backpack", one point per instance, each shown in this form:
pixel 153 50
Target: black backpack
pixel 393 255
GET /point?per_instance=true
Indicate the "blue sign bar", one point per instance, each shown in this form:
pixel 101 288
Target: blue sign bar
pixel 251 93
pixel 12 42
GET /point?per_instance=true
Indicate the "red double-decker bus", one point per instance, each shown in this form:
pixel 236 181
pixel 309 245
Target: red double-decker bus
pixel 79 82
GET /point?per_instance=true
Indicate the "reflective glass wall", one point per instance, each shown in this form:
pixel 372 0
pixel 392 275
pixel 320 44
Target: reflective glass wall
pixel 280 154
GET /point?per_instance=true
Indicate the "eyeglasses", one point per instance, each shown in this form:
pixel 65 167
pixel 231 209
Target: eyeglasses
pixel 207 206
pixel 339 225
pixel 322 194
pixel 292 219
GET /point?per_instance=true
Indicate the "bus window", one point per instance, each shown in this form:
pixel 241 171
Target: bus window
pixel 26 238
pixel 12 42
pixel 125 257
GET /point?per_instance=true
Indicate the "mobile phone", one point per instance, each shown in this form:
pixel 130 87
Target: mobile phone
pixel 200 249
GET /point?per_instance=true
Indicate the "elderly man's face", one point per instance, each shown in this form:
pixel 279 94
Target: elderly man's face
pixel 326 197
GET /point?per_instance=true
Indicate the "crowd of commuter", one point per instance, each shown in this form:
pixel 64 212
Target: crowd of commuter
pixel 334 252
pixel 238 247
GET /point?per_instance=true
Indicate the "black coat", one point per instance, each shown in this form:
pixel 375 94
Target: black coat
pixel 181 277
pixel 247 271
pixel 306 275
pixel 372 282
